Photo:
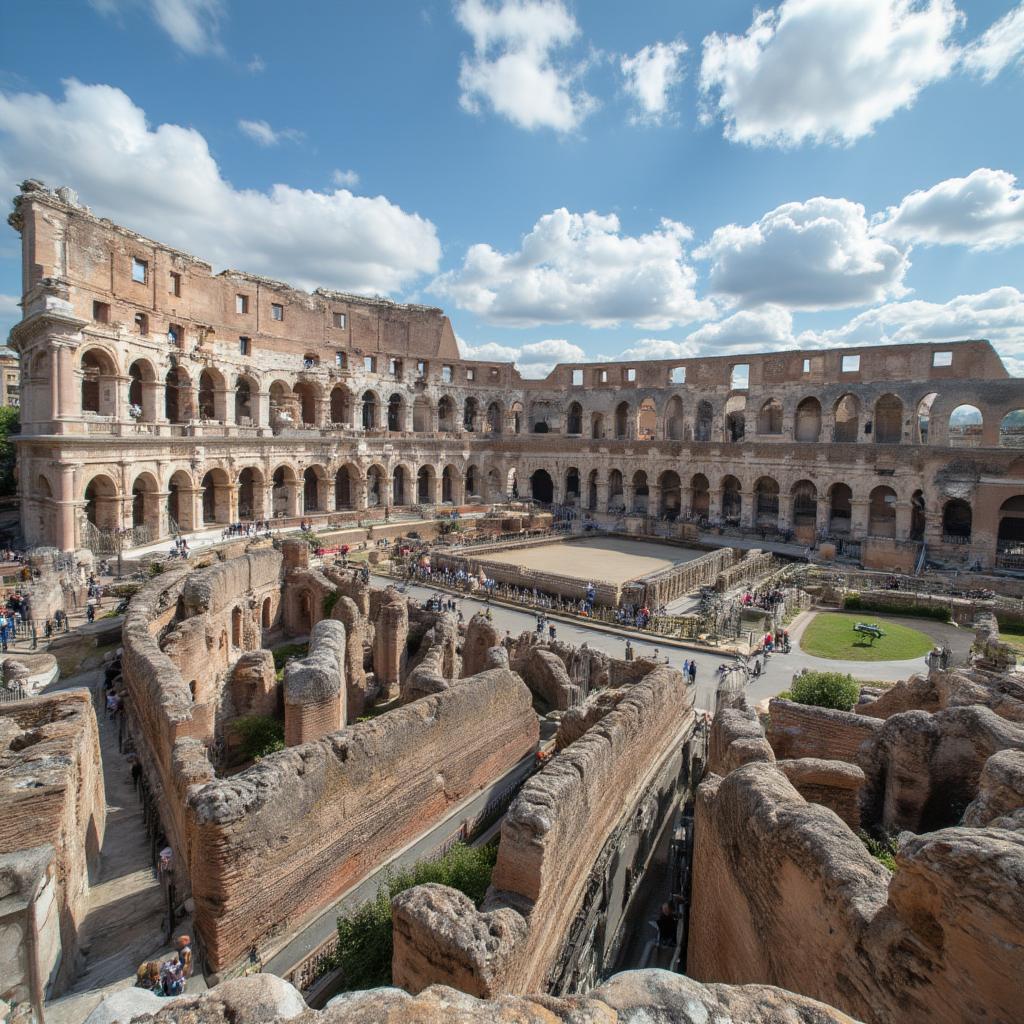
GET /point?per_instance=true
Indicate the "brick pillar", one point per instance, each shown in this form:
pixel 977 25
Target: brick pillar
pixel 785 511
pixel 859 518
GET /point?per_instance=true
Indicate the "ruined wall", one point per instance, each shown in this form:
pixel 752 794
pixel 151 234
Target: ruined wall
pixel 800 730
pixel 283 839
pixel 833 784
pixel 51 793
pixel 391 631
pixel 314 687
pixel 553 835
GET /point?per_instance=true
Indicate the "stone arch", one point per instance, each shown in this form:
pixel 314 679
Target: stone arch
pixel 805 504
pixel 882 512
pixel 345 488
pixel 470 413
pixel 341 406
pixel 542 488
pixel 675 423
pixel 103 503
pixel 285 491
pixel 308 395
pixel 572 486
pixel 918 518
pixel 703 423
pixel 516 413
pixel 99 382
pixel 888 420
pixel 591 502
pixel 266 613
pixel 840 509
pixel 401 490
pixel 426 485
pixel 671 490
pixel 736 418
pixel 370 410
pixel 732 499
pixel 766 502
pixel 211 394
pixel 616 491
pixel 846 416
pixel 574 419
pixel 142 389
pixel 473 483
pixel 922 421
pixel 621 421
pixel 446 414
pixel 180 507
pixel 216 496
pixel 246 390
pixel 597 425
pixel 284 411
pixel 396 411
pixel 178 406
pixel 808 420
pixel 700 495
pixel 1010 533
pixel 966 426
pixel 1011 429
pixel 493 419
pixel 250 493
pixel 376 487
pixel 314 489
pixel 647 420
pixel 769 417
pixel 450 479
pixel 146 502
pixel 641 492
pixel 957 521
pixel 422 414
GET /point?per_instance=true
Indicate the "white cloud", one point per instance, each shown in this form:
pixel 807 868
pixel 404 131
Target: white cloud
pixel 163 181
pixel 999 47
pixel 825 70
pixel 749 330
pixel 818 254
pixel 10 314
pixel 513 68
pixel 256 64
pixel 534 360
pixel 657 348
pixel 262 134
pixel 579 267
pixel 193 25
pixel 650 75
pixel 985 210
pixel 345 179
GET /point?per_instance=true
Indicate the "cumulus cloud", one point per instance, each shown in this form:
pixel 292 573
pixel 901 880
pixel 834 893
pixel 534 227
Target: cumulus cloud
pixel 262 134
pixel 746 330
pixel 825 70
pixel 985 210
pixel 580 267
pixel 193 25
pixel 534 360
pixel 10 314
pixel 514 69
pixel 345 179
pixel 818 254
pixel 163 181
pixel 649 77
pixel 256 65
pixel 1000 46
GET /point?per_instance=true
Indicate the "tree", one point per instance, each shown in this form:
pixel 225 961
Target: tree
pixel 9 424
pixel 826 690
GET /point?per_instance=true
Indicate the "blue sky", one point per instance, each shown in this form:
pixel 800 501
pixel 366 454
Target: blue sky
pixel 566 180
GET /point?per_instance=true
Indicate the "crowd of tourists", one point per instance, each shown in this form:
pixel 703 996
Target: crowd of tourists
pixel 168 977
pixel 250 528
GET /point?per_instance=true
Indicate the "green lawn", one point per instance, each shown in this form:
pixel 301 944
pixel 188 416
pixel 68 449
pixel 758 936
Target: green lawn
pixel 831 635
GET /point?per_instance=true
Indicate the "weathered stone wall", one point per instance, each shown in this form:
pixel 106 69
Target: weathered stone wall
pixel 391 631
pixel 736 738
pixel 51 793
pixel 799 730
pixel 286 837
pixel 552 836
pixel 833 784
pixel 314 687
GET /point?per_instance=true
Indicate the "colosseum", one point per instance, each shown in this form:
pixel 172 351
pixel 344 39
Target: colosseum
pixel 160 397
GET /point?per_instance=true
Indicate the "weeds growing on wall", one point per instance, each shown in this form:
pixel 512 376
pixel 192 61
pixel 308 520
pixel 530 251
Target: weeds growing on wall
pixel 883 850
pixel 330 600
pixel 834 690
pixel 364 936
pixel 284 653
pixel 260 735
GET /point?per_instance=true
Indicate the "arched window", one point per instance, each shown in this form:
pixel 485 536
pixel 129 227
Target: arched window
pixel 674 419
pixel 671 495
pixel 243 402
pixel 399 486
pixel 840 510
pixel 704 421
pixel 847 419
pixel 369 411
pixel 769 419
pixel 616 498
pixel 542 489
pixel 965 426
pixel 396 412
pixel 888 425
pixel 882 512
pixel 641 492
pixel 470 413
pixel 574 419
pixel 808 420
pixel 732 500
pixel 736 418
pixel 341 406
pixel 1011 430
pixel 622 420
pixel 766 502
pixel 647 420
pixel 572 486
pixel 700 499
pixel 805 504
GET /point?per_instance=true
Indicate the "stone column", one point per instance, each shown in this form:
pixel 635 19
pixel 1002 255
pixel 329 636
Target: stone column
pixel 66 362
pixel 260 405
pixel 824 510
pixel 685 499
pixel 904 512
pixel 785 519
pixel 932 527
pixel 859 518
pixel 389 644
pixel 66 538
pixel 653 499
pixel 55 405
pixel 602 493
pixel 748 501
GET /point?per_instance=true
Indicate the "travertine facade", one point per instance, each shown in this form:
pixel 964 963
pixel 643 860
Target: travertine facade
pixel 155 391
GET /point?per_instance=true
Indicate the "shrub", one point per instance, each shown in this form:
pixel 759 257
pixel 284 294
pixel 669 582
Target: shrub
pixel 856 603
pixel 364 936
pixel 155 568
pixel 883 850
pixel 826 690
pixel 260 735
pixel 330 600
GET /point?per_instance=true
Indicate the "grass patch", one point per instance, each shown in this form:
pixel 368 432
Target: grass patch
pixel 364 937
pixel 260 735
pixel 831 635
pixel 286 651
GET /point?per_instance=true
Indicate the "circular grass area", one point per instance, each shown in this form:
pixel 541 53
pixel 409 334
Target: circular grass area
pixel 831 635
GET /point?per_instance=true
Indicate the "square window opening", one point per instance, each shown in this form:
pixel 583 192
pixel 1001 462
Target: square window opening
pixel 851 364
pixel 470 374
pixel 339 360
pixel 175 285
pixel 942 359
pixel 807 366
pixel 677 375
pixel 370 364
pixel 447 375
pixel 602 376
pixel 139 270
pixel 241 304
pixel 101 312
pixel 740 378
pixel 631 375
pixel 577 378
pixel 339 321
pixel 276 311
pixel 245 346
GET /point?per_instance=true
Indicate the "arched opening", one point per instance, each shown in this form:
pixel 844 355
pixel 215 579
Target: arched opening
pixel 1011 430
pixel 847 419
pixel 399 486
pixel 641 492
pixel 284 410
pixel 305 610
pixel 516 412
pixel 674 422
pixel 670 502
pixel 449 485
pixel 494 418
pixel 369 411
pixel 470 413
pixel 616 496
pixel 177 396
pixel 540 427
pixel 1010 539
pixel 766 503
pixel 805 505
pixel 647 420
pixel 966 424
pixel 179 503
pixel 374 487
pixel 141 391
pixel 732 500
pixel 956 521
pixel 207 396
pixel 236 627
pixel 216 497
pixel 597 425
pixel 704 421
pixel 736 418
pixel 341 407
pixel 840 510
pixel 574 419
pixel 924 416
pixel 343 489
pixel 918 520
pixel 622 421
pixel 700 499
pixel 145 503
pixel 98 383
pixel 542 489
pixel 572 486
pixel 396 412
pixel 421 414
pixel 285 491
pixel 306 394
pixel 265 614
pixel 243 403
pixel 769 419
pixel 808 420
pixel 473 484
pixel 888 425
pixel 425 485
pixel 592 491
pixel 446 415
pixel 313 478
pixel 882 512
pixel 250 494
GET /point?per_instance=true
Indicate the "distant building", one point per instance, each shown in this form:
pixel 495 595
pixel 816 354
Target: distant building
pixel 10 377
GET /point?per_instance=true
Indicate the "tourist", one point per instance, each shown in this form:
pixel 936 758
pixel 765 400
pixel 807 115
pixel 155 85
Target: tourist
pixel 667 925
pixel 90 612
pixel 686 666
pixel 185 953
pixel 629 651
pixel 172 976
pixel 552 631
pixel 693 672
